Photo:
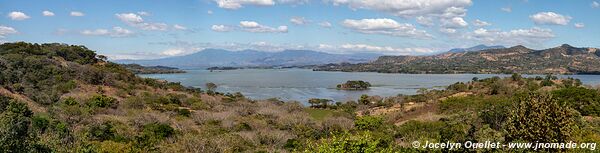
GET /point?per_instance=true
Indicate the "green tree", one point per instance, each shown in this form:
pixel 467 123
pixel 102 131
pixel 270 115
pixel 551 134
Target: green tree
pixel 364 99
pixel 538 117
pixel 14 128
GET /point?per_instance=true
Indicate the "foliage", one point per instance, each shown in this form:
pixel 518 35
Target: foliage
pixel 368 123
pixel 538 117
pixel 101 101
pixel 355 143
pixel 354 85
pixel 586 101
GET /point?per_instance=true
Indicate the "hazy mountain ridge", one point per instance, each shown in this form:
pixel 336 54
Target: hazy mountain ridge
pixel 219 57
pixel 475 48
pixel 564 59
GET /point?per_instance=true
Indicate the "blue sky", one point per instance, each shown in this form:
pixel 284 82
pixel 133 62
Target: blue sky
pixel 153 29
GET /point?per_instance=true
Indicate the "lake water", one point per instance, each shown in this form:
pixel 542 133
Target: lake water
pixel 303 84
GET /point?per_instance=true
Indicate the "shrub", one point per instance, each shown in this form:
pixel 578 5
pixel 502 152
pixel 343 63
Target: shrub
pixel 538 117
pixel 101 101
pixel 158 130
pixel 102 132
pixel 586 101
pixel 368 123
pixel 70 101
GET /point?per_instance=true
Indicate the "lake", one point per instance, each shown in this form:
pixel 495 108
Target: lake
pixel 303 84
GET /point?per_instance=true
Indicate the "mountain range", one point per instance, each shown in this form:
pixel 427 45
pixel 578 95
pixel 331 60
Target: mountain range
pixel 219 57
pixel 475 48
pixel 564 59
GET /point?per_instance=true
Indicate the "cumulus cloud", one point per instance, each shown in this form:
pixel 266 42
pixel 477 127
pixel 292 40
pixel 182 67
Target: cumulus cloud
pixel 385 26
pixel 299 20
pixel 236 4
pixel 550 18
pixel 384 49
pixel 425 21
pixel 506 9
pixel 448 30
pixel 455 22
pixel 251 26
pixel 137 21
pixel 179 27
pixel 480 23
pixel 221 28
pixel 17 16
pixel 579 25
pixel 76 13
pixel 595 4
pixel 533 37
pixel 115 32
pixel 4 30
pixel 47 13
pixel 325 24
pixel 407 8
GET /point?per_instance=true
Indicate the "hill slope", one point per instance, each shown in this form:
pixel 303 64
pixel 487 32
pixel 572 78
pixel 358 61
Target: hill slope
pixel 218 57
pixel 564 59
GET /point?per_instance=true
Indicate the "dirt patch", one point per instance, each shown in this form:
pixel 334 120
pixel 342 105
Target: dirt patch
pixel 33 106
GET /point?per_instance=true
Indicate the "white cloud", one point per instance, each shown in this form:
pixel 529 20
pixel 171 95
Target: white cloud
pixel 293 2
pixel 221 28
pixel 579 25
pixel 76 13
pixel 448 30
pixel 455 22
pixel 506 9
pixel 17 16
pixel 143 13
pixel 407 8
pixel 550 18
pixel 173 52
pixel 251 26
pixel 209 12
pixel 595 4
pixel 179 27
pixel 325 24
pixel 532 37
pixel 115 32
pixel 480 23
pixel 47 13
pixel 299 20
pixel 381 49
pixel 4 30
pixel 137 21
pixel 425 21
pixel 236 4
pixel 385 26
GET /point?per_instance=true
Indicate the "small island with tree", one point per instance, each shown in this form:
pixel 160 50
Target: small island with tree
pixel 354 85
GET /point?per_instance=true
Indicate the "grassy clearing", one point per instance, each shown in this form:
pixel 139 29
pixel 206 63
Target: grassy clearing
pixel 319 114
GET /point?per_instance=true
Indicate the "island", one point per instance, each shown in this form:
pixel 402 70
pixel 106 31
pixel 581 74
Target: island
pixel 139 69
pixel 354 85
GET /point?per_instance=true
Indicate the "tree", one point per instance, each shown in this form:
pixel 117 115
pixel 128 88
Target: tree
pixel 364 99
pixel 14 128
pixel 538 117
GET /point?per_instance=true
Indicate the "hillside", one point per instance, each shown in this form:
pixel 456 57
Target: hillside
pixel 252 58
pixel 66 98
pixel 564 59
pixel 138 69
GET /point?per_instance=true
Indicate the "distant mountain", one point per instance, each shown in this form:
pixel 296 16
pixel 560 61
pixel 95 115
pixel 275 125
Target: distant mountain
pixel 219 57
pixel 474 48
pixel 564 59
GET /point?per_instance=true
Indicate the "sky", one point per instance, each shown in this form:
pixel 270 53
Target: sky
pixel 136 29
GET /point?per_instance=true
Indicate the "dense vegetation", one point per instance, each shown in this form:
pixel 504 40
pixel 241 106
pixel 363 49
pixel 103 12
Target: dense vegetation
pixel 64 98
pixel 354 85
pixel 138 69
pixel 564 59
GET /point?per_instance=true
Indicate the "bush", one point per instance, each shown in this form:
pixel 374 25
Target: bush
pixel 101 101
pixel 368 123
pixel 158 130
pixel 102 132
pixel 538 117
pixel 586 101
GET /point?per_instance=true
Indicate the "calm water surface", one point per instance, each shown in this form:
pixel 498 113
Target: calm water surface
pixel 303 84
